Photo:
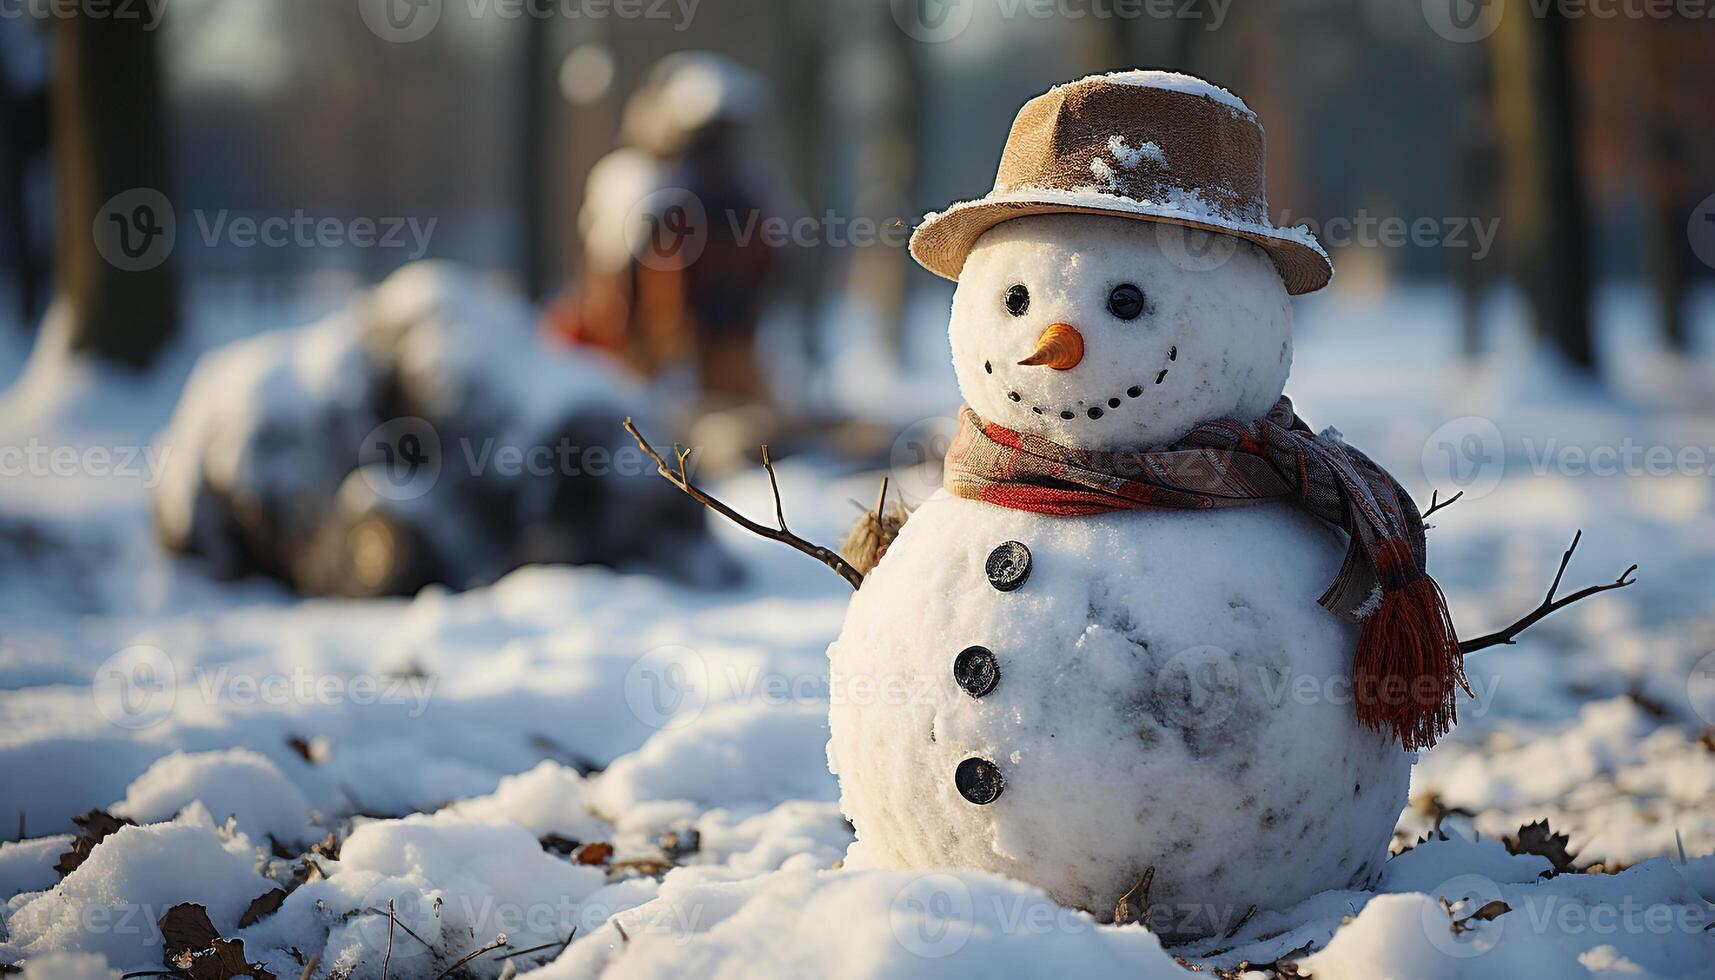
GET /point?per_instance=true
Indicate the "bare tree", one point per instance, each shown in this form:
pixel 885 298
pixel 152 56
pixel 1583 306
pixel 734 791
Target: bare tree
pixel 1538 119
pixel 538 106
pixel 109 141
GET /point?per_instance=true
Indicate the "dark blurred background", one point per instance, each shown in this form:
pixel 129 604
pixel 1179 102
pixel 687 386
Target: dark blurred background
pixel 711 199
pixel 1585 128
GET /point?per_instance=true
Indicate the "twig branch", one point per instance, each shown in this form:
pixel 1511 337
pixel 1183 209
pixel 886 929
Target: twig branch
pixel 1436 503
pixel 826 556
pixel 392 920
pixel 499 942
pixel 558 945
pixel 387 961
pixel 1549 602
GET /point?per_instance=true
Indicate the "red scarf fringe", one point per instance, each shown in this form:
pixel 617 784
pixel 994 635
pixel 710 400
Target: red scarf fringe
pixel 1408 669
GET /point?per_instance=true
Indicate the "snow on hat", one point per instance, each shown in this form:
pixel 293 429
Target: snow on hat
pixel 1152 145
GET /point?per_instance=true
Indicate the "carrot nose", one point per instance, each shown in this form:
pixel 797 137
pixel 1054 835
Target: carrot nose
pixel 1060 347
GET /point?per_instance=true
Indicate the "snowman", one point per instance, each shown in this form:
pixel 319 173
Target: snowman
pixel 1108 649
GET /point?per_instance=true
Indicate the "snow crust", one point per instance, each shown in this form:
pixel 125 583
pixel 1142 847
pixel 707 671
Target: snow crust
pixel 110 905
pixel 235 783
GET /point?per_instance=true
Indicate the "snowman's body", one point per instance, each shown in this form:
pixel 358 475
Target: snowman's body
pixel 1167 692
pixel 1124 690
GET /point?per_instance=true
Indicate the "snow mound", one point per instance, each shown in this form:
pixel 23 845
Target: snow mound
pixel 28 865
pixel 852 925
pixel 424 434
pixel 456 885
pixel 112 903
pixel 1643 922
pixel 236 782
pixel 548 799
pixel 731 755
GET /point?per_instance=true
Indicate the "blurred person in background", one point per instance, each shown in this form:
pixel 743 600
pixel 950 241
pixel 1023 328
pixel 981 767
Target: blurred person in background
pixel 675 275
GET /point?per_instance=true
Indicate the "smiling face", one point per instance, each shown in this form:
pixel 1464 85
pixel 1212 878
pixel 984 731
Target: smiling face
pixel 1133 332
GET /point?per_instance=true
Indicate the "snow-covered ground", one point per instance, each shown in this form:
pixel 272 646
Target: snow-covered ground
pixel 470 753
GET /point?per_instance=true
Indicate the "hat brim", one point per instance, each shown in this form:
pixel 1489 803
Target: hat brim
pixel 941 243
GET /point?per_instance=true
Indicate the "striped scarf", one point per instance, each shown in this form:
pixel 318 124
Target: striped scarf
pixel 1407 669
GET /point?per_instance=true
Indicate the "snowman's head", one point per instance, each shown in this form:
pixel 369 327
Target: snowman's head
pixel 1108 333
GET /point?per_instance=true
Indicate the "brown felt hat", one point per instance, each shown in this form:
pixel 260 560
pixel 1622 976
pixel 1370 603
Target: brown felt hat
pixel 1155 146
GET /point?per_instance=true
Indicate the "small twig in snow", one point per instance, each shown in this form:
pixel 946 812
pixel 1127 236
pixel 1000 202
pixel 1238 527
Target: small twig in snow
pixel 387 960
pixel 408 931
pixel 1230 933
pixel 561 945
pixel 499 941
pixel 1549 603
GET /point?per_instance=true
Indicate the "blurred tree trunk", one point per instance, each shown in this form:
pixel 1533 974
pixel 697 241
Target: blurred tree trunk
pixel 1474 178
pixel 540 218
pixel 1537 114
pixel 1668 182
pixel 109 138
pixel 805 108
pixel 884 171
pixel 23 117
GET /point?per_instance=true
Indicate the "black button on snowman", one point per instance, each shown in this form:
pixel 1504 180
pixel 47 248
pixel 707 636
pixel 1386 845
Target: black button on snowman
pixel 1008 566
pixel 976 671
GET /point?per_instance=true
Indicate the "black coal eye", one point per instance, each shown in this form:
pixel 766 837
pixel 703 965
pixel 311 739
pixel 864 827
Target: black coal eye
pixel 1126 301
pixel 1017 299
